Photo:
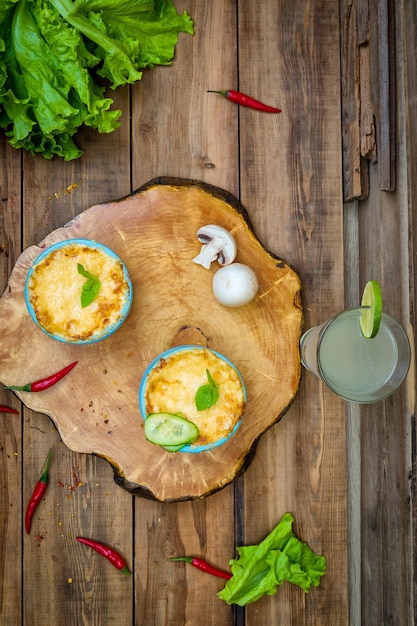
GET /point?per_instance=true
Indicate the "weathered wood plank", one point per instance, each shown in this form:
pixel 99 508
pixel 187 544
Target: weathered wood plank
pixel 368 94
pixel 82 498
pixel 408 25
pixel 178 129
pixel 353 424
pixel 387 96
pixel 11 425
pixel 387 427
pixel 289 164
pixel 355 169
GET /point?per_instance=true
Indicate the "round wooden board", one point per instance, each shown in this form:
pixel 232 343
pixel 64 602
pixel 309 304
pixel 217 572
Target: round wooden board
pixel 95 408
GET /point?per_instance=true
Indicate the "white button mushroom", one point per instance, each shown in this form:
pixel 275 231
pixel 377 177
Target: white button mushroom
pixel 235 285
pixel 219 245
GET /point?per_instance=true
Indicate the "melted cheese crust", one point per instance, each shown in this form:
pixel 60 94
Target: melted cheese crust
pixel 172 385
pixel 54 291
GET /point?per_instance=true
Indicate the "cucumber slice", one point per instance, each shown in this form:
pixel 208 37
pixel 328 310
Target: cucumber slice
pixel 173 448
pixel 167 429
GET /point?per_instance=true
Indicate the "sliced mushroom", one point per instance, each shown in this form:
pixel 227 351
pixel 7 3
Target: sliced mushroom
pixel 219 245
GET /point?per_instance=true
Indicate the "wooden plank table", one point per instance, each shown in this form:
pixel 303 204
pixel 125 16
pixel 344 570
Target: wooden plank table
pixel 345 473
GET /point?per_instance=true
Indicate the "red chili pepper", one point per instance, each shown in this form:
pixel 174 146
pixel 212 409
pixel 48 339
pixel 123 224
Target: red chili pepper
pixel 240 98
pixel 203 566
pixel 7 409
pixel 110 554
pixel 44 383
pixel 38 492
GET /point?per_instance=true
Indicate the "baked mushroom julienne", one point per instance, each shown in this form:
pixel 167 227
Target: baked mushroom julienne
pixel 195 384
pixel 78 291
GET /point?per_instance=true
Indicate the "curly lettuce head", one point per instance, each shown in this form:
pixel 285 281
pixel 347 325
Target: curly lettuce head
pixel 51 53
pixel 260 569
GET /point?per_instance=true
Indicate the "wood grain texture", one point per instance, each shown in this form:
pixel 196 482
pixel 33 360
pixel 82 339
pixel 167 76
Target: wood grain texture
pixel 96 408
pixel 353 423
pixel 369 103
pixel 287 172
pixel 11 445
pixel 203 140
pixel 408 25
pixel 355 169
pixel 300 150
pixel 191 133
pixel 388 429
pixel 80 498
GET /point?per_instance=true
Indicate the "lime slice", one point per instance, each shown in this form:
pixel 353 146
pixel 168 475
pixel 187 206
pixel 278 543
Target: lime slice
pixel 371 316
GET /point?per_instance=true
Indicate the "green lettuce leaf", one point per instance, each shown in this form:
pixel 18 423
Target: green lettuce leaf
pixel 56 57
pixel 260 569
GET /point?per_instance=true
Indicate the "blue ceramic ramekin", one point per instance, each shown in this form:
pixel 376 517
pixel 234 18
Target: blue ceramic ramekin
pixel 142 393
pixel 111 328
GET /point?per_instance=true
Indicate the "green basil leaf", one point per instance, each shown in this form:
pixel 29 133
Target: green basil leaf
pixel 207 395
pixel 81 270
pixel 91 287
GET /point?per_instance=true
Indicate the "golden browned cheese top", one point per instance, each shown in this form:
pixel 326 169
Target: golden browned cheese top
pixel 55 287
pixel 172 386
